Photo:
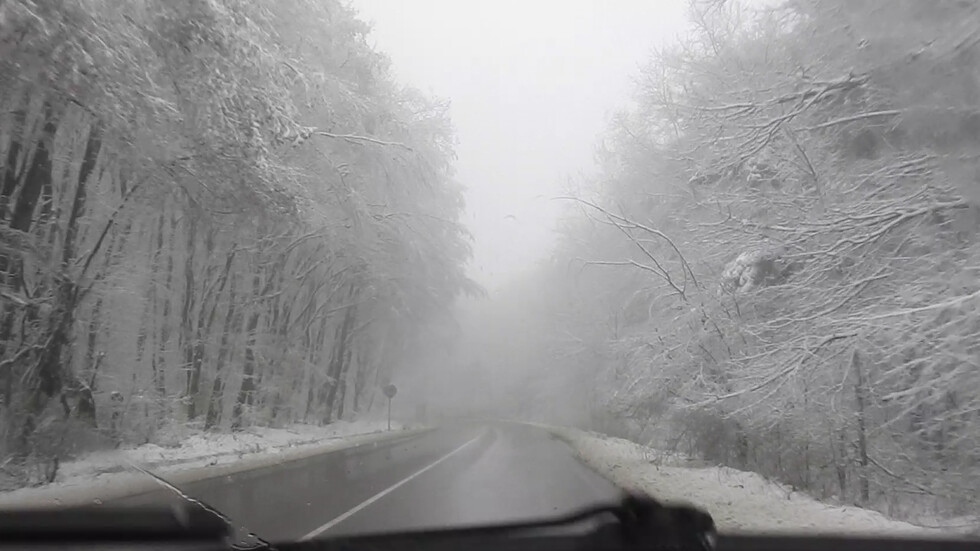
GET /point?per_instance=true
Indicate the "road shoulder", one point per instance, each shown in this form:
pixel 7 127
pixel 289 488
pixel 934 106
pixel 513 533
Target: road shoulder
pixel 739 501
pixel 130 481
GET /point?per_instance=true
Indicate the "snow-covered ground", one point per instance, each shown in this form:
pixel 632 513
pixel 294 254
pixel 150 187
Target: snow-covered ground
pixel 738 500
pixel 188 455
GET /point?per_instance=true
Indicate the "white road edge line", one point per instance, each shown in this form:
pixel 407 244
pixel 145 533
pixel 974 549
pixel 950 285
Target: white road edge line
pixel 385 492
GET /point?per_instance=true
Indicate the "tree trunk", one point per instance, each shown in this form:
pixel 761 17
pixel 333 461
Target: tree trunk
pixel 46 380
pixel 336 366
pixel 233 325
pixel 204 325
pixel 92 148
pixel 345 367
pixel 741 446
pixel 366 361
pixel 9 183
pixel 205 321
pixel 38 176
pixel 11 175
pixel 840 461
pixel 192 378
pixel 150 306
pixel 248 369
pixel 92 360
pixel 160 358
pixel 860 396
pixel 313 358
pixel 57 359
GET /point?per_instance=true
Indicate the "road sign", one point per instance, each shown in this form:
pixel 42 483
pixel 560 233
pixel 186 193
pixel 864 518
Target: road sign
pixel 390 391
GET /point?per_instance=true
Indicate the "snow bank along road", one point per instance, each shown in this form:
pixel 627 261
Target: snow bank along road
pixel 437 478
pixel 738 501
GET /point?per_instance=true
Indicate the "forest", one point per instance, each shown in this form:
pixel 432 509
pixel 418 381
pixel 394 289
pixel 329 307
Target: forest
pixel 215 213
pixel 228 213
pixel 775 267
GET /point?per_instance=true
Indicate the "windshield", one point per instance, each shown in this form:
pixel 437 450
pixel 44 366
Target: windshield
pixel 341 267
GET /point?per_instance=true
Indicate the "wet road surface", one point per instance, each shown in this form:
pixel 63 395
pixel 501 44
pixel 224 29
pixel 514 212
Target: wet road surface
pixel 444 477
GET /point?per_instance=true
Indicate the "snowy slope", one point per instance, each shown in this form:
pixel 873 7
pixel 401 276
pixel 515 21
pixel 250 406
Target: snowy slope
pixel 192 455
pixel 738 500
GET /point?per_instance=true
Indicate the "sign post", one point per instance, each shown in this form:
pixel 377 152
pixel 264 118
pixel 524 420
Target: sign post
pixel 390 391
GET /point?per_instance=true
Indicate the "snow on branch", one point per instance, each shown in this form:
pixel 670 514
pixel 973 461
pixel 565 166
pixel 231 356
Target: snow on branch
pixel 624 224
pixel 354 138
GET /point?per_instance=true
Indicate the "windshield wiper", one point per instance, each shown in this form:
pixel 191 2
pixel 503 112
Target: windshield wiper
pixel 634 524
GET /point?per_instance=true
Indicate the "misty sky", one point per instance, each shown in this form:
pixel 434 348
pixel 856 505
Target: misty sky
pixel 532 83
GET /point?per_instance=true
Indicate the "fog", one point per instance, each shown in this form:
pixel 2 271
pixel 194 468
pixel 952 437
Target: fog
pixel 532 87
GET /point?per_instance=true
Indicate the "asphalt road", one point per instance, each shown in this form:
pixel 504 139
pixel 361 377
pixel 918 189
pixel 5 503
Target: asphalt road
pixel 444 477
